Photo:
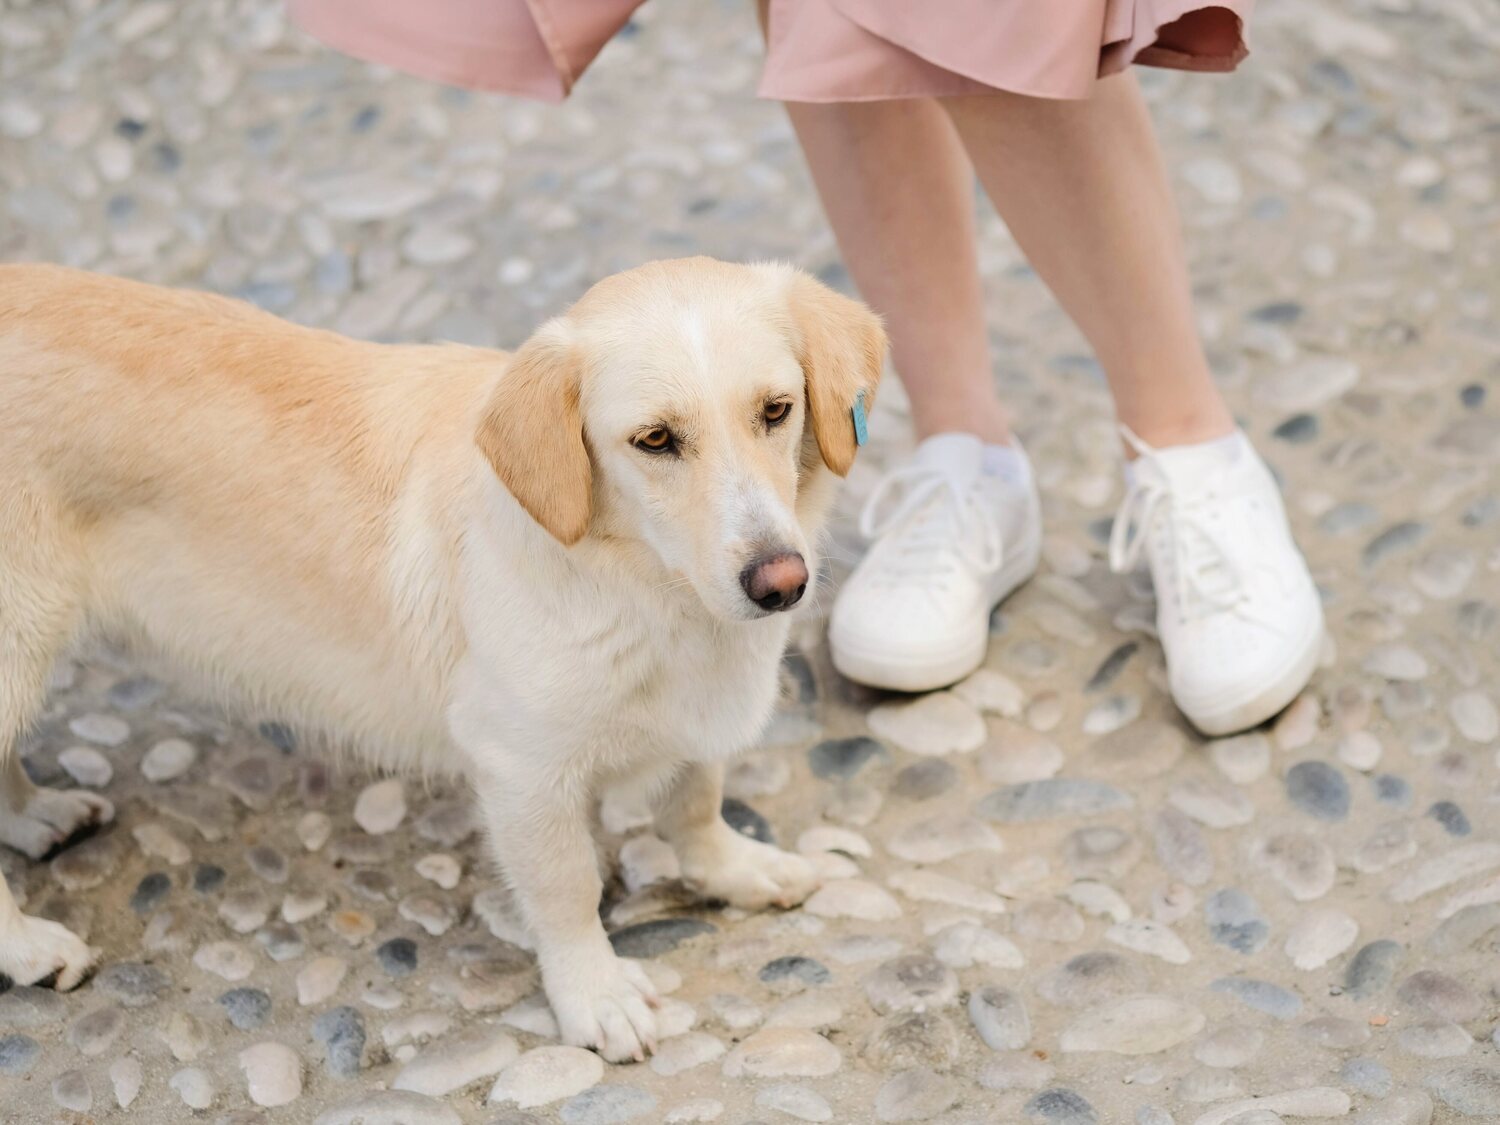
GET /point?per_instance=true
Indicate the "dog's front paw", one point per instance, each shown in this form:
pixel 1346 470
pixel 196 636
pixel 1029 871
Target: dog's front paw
pixel 746 873
pixel 51 818
pixel 33 949
pixel 604 1002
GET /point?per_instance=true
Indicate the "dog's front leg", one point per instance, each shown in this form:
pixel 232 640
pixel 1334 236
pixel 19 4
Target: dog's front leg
pixel 538 820
pixel 718 862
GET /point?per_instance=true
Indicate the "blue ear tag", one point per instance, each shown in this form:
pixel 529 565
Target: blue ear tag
pixel 861 422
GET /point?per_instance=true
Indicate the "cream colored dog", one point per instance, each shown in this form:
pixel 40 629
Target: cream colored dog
pixel 547 571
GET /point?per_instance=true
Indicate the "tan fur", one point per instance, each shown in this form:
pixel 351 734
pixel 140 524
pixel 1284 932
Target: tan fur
pixel 842 350
pixel 532 433
pixel 450 559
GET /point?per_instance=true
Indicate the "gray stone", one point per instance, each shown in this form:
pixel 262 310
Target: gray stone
pixel 70 1089
pixel 915 1095
pixel 247 1008
pixel 798 1102
pixel 1101 852
pixel 783 1052
pixel 1181 848
pixel 842 758
pixel 922 781
pixel 398 957
pixel 1235 921
pixel 1230 1046
pixel 652 939
pixel 18 1053
pixel 26 1006
pixel 684 1052
pixel 1369 1076
pixel 1261 995
pixel 911 983
pixel 1243 759
pixel 1471 1091
pixel 1300 861
pixel 341 1031
pixel 1000 1017
pixel 268 863
pixel 607 1105
pixel 1319 790
pixel 1015 1070
pixel 1059 1106
pixel 802 970
pixel 87 865
pixel 1434 1039
pixel 1451 817
pixel 1211 802
pixel 132 984
pixel 1372 968
pixel 1140 1024
pixel 1051 799
pixel 1438 994
pixel 1464 929
pixel 910 1039
pixel 1091 978
pixel 96 1031
pixel 150 892
pixel 447 823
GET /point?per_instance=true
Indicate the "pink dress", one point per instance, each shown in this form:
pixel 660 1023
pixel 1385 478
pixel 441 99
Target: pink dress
pixel 816 50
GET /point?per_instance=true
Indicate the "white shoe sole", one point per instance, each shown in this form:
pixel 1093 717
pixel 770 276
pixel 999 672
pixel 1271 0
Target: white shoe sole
pixel 889 671
pixel 1256 704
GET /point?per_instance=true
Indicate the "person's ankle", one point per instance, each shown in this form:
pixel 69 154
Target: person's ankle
pixel 991 426
pixel 1163 433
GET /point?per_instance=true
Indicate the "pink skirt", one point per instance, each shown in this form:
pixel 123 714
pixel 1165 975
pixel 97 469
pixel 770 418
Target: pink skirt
pixel 816 50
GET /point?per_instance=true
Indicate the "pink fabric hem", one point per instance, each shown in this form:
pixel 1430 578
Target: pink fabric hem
pixel 817 50
pixel 389 33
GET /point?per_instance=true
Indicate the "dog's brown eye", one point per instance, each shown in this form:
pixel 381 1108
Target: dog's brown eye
pixel 777 412
pixel 658 440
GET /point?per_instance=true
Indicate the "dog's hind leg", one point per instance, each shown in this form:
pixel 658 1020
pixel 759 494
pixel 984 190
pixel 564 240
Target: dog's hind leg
pixel 38 611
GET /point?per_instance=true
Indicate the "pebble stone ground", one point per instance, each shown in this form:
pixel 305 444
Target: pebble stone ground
pixel 1046 899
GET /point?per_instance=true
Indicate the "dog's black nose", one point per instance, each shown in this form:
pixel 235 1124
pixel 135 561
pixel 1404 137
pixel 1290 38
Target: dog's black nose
pixel 775 581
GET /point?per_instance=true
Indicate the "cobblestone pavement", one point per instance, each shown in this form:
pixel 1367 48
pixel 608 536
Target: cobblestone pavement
pixel 1047 900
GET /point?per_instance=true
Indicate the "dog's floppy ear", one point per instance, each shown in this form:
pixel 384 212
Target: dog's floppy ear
pixel 531 431
pixel 841 346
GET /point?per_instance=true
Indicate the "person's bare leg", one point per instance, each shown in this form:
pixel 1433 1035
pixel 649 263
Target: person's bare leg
pixel 1082 187
pixel 899 193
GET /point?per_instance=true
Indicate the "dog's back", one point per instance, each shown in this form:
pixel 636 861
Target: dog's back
pixel 226 487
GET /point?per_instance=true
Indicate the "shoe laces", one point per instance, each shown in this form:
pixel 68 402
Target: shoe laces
pixel 1206 577
pixel 941 517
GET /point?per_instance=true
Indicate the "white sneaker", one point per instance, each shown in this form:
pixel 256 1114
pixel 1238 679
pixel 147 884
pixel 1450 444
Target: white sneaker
pixel 951 539
pixel 1239 617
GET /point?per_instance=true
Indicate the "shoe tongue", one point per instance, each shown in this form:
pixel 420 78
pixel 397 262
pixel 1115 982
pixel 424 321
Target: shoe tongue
pixel 957 455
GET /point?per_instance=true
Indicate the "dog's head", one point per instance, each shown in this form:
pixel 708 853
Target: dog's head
pixel 697 408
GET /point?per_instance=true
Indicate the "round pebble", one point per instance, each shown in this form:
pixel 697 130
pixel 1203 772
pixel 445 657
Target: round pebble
pixel 194 1087
pixel 783 1052
pixel 247 1008
pixel 168 760
pixel 86 766
pixel 273 1074
pixel 381 807
pixel 546 1074
pixel 70 1089
pixel 1133 1025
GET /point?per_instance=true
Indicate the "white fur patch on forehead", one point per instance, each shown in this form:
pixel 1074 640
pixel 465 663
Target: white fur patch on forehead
pixel 675 348
pixel 695 334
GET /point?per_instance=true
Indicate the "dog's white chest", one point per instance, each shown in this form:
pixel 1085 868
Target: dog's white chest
pixel 621 683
